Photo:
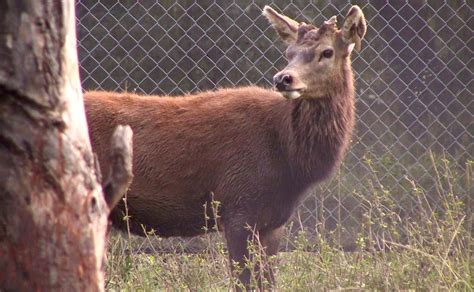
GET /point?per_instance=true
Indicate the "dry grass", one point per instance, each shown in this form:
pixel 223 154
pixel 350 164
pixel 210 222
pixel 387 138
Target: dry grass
pixel 430 251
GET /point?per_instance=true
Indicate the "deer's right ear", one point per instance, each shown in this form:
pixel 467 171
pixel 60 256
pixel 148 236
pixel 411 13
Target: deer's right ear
pixel 286 27
pixel 354 27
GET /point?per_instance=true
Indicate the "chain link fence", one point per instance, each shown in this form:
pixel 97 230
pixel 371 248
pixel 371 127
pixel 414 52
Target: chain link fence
pixel 414 80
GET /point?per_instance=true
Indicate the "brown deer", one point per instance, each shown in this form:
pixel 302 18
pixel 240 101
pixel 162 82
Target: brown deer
pixel 249 148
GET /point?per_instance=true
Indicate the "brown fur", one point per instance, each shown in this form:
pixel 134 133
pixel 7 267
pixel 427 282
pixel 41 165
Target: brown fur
pixel 255 151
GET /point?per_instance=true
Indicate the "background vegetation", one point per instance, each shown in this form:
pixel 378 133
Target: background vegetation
pixel 430 250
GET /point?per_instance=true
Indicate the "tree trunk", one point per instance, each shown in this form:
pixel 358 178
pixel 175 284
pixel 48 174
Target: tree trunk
pixel 53 216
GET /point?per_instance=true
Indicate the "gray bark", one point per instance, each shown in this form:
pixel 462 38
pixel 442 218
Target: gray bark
pixel 120 172
pixel 53 216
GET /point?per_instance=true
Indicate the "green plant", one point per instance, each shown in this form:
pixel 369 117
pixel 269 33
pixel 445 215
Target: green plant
pixel 428 248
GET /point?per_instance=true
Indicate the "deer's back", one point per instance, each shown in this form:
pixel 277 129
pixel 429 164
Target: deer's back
pixel 186 148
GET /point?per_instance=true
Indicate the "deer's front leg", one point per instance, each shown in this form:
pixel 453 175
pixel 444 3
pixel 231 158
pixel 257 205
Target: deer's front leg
pixel 270 241
pixel 236 238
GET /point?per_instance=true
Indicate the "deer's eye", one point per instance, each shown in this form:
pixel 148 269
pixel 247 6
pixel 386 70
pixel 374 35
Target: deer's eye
pixel 327 53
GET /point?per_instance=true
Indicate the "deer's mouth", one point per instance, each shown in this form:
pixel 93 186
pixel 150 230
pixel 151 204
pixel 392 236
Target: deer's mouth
pixel 292 94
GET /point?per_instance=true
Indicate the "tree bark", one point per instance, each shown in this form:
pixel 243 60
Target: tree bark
pixel 53 216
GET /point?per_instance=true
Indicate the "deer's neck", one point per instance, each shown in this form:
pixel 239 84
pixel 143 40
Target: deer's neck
pixel 319 134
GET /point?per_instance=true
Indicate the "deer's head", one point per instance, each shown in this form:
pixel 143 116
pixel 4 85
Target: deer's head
pixel 316 56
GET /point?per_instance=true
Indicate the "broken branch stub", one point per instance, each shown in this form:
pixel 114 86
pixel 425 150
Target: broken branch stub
pixel 120 173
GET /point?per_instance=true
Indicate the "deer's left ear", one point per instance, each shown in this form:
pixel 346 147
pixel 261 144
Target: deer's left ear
pixel 354 27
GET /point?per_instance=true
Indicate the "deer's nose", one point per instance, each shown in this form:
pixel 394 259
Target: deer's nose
pixel 282 81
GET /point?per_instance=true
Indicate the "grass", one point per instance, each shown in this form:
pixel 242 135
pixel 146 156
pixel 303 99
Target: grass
pixel 432 249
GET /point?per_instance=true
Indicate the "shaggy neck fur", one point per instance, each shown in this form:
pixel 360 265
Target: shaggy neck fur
pixel 320 130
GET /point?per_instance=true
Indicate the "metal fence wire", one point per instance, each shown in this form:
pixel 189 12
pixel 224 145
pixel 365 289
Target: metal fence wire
pixel 414 80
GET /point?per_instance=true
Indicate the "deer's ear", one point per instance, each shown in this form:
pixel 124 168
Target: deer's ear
pixel 286 27
pixel 354 27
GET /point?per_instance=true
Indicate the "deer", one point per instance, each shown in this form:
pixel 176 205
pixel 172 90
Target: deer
pixel 257 151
